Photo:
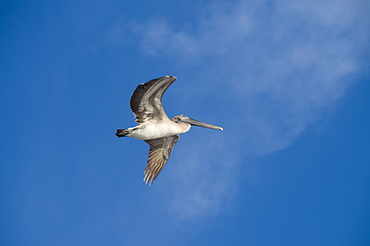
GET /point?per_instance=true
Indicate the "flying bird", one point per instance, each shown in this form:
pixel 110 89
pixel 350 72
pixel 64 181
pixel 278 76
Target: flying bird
pixel 154 126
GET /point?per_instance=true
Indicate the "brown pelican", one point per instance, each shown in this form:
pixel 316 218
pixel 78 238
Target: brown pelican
pixel 154 127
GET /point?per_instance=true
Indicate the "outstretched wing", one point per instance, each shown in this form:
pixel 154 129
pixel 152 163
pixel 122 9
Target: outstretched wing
pixel 160 150
pixel 146 101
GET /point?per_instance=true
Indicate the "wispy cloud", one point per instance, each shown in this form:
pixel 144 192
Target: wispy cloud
pixel 270 69
pixel 202 176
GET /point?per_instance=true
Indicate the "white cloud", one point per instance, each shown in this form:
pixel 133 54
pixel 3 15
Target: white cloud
pixel 277 65
pixel 201 177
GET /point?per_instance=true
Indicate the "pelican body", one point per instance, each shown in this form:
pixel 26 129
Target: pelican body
pixel 154 126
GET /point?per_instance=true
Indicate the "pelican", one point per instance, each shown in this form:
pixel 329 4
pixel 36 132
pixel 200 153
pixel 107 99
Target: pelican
pixel 154 126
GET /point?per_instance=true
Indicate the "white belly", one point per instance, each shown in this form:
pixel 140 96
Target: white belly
pixel 158 130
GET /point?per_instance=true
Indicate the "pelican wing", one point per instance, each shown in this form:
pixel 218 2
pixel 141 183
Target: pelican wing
pixel 160 150
pixel 146 101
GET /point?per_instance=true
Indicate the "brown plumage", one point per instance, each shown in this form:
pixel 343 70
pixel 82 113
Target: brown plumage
pixel 141 102
pixel 154 126
pixel 159 152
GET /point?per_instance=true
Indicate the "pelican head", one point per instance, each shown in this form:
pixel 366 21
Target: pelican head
pixel 187 120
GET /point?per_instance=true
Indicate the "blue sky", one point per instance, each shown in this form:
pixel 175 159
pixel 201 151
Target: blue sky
pixel 287 80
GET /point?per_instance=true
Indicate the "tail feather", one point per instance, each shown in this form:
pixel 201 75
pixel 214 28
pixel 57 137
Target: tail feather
pixel 122 132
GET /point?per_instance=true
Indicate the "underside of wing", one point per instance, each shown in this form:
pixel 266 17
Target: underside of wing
pixel 146 101
pixel 160 150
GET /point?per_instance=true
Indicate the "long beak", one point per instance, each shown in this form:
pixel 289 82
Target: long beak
pixel 201 124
